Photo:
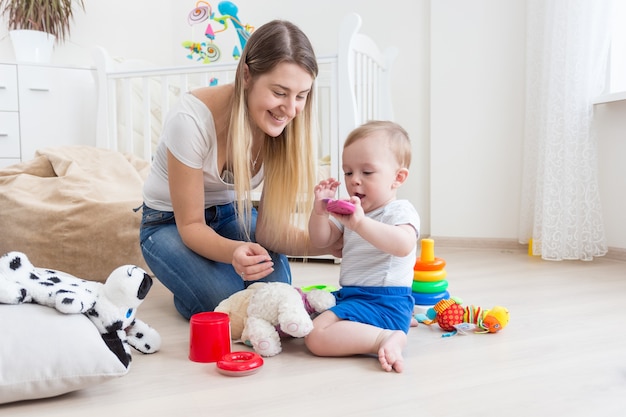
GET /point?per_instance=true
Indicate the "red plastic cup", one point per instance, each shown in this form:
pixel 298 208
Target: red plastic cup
pixel 209 336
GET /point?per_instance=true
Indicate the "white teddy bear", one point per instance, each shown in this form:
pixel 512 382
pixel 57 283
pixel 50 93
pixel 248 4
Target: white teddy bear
pixel 110 306
pixel 261 312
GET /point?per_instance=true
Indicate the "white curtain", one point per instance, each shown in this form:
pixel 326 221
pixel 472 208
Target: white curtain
pixel 567 48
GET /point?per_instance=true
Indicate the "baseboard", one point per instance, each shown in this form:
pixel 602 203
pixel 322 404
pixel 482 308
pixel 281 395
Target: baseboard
pixel 616 253
pixel 320 258
pixel 480 243
pixel 507 244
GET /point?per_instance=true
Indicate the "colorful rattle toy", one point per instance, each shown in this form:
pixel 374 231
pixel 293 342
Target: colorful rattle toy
pixel 429 277
pixel 452 317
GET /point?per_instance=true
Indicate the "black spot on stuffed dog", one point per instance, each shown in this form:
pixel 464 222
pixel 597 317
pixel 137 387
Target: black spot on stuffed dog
pixel 110 306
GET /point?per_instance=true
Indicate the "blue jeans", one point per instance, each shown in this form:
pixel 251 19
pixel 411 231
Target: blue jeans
pixel 198 283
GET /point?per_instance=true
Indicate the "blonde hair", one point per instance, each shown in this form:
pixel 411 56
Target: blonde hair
pixel 289 159
pixel 397 138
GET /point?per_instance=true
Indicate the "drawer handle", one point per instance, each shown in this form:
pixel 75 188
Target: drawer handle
pixel 3 87
pixel 39 89
pixel 3 134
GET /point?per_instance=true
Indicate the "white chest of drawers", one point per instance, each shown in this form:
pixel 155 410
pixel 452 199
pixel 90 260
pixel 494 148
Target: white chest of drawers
pixel 44 106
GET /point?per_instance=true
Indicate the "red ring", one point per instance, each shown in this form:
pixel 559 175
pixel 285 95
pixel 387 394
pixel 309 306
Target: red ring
pixel 435 265
pixel 239 363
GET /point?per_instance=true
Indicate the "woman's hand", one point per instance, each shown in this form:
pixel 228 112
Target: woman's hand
pixel 252 262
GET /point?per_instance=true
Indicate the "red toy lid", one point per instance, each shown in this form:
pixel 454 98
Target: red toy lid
pixel 239 363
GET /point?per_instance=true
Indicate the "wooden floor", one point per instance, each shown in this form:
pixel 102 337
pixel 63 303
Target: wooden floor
pixel 562 354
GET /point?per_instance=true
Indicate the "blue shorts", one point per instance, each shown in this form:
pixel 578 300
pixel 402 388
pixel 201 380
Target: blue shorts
pixel 385 307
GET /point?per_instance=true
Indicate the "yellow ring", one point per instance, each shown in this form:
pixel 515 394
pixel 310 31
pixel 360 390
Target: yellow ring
pixel 429 276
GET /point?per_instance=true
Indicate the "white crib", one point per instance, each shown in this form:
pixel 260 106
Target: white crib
pixel 353 87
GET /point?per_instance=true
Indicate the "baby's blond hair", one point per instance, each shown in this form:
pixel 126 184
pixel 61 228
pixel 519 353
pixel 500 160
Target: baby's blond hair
pixel 397 138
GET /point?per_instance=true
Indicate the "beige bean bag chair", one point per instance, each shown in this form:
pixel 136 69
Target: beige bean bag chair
pixel 71 209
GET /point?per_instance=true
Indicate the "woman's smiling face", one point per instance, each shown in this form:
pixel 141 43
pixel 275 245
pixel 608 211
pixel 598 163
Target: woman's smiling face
pixel 277 97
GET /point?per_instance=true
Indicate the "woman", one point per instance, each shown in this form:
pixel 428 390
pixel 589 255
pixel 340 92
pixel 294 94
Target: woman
pixel 199 230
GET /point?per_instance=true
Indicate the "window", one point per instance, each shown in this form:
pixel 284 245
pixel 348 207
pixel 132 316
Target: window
pixel 617 65
pixel 616 70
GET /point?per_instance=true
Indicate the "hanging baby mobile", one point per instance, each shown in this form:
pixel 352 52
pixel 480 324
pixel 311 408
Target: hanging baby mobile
pixel 208 51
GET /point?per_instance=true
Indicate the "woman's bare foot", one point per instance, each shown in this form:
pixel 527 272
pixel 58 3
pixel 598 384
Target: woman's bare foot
pixel 390 350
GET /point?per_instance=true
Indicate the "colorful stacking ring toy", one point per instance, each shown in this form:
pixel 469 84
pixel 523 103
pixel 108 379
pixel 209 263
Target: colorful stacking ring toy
pixel 429 276
pixel 429 287
pixel 424 299
pixel 239 363
pixel 436 264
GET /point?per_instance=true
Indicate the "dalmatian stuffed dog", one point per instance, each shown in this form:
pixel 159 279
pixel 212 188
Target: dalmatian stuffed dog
pixel 110 306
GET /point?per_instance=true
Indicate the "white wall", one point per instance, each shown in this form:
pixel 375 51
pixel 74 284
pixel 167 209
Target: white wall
pixel 477 99
pixel 477 118
pixel 458 90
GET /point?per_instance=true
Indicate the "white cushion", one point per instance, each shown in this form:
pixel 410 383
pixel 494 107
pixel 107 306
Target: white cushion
pixel 44 353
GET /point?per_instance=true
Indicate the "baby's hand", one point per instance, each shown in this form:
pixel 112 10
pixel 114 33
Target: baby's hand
pixel 351 220
pixel 324 190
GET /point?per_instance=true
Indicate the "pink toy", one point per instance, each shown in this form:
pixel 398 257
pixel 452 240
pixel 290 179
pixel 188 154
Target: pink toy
pixel 339 206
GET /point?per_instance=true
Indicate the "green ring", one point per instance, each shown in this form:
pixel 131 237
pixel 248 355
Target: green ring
pixel 429 287
pixel 328 288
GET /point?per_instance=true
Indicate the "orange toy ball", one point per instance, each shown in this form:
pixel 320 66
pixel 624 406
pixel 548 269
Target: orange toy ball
pixel 450 316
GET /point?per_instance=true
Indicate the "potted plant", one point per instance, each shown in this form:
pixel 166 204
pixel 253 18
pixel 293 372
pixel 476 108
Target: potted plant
pixel 48 20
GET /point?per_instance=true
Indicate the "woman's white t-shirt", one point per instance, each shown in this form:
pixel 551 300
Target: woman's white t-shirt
pixel 189 134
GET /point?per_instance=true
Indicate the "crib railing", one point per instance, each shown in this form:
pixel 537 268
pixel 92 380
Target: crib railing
pixel 133 99
pixel 133 102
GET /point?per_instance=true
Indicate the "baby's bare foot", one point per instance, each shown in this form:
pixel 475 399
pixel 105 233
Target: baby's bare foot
pixel 390 351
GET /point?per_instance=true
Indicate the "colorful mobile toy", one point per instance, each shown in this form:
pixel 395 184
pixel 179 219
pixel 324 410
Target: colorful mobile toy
pixel 207 51
pixel 229 9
